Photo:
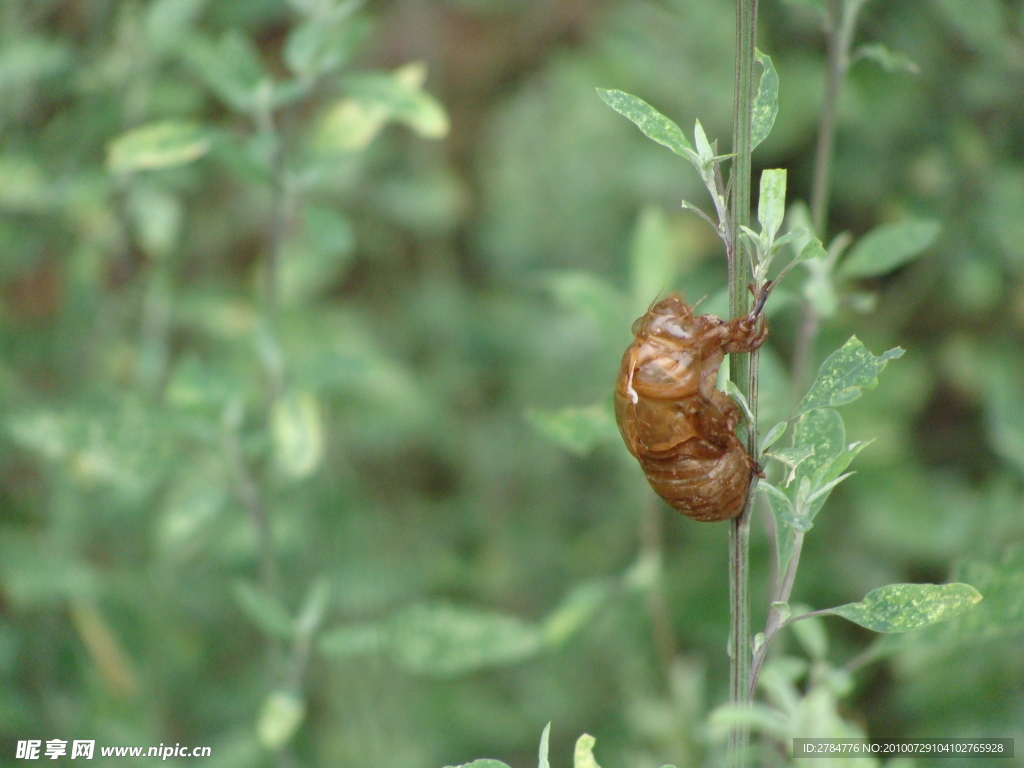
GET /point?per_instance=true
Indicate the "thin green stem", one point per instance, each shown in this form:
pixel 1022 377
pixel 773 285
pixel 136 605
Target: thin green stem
pixel 834 75
pixel 840 25
pixel 774 623
pixel 652 546
pixel 742 372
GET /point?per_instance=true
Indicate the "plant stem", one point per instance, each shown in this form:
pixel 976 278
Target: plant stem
pixel 774 623
pixel 742 371
pixel 652 545
pixel 840 24
pixel 252 498
pixel 834 75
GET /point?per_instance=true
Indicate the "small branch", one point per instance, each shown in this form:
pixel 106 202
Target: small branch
pixel 252 499
pixel 827 125
pixel 841 23
pixel 652 546
pixel 782 593
pixel 280 214
pixel 803 350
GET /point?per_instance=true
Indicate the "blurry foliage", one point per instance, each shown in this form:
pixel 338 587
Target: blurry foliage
pixel 271 354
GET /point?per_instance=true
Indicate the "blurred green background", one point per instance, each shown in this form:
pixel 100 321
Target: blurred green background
pixel 292 294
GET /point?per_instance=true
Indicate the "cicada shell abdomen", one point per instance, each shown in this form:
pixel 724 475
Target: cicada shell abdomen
pixel 674 421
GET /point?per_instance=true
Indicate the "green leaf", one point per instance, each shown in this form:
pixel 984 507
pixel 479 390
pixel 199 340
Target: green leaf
pixel 439 639
pixel 1004 413
pixel 771 203
pixel 819 289
pixel 653 269
pixel 810 632
pixel 126 449
pixel 766 103
pixel 167 22
pixel 888 60
pixel 157 218
pixel 583 755
pixel 1001 613
pixel 296 427
pixel 576 611
pixel 25 59
pixel 773 435
pixel 231 68
pixel 779 501
pixel 903 607
pixel 281 716
pixel 36 576
pixel 887 247
pixel 317 46
pixel 792 458
pixel 812 250
pixel 704 151
pixel 265 611
pixel 374 100
pixel 542 753
pixel 844 374
pixel 593 297
pixel 195 500
pixel 443 640
pixel 315 256
pixel 24 188
pixel 823 431
pixel 353 640
pixel 401 93
pixel 650 121
pixel 156 146
pixel 1002 583
pixel 577 429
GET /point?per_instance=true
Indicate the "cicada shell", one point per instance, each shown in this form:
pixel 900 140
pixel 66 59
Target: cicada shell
pixel 674 421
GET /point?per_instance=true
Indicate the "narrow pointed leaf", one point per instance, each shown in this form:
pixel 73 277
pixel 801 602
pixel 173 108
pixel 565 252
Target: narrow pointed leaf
pixel 771 204
pixel 583 755
pixel 264 610
pixel 887 247
pixel 578 429
pixel 824 431
pixel 156 146
pixel 442 640
pixel 784 501
pixel 687 206
pixel 650 121
pixel 890 61
pixel 700 140
pixel 792 458
pixel 542 761
pixel 653 269
pixel 773 435
pixel 766 103
pixel 903 607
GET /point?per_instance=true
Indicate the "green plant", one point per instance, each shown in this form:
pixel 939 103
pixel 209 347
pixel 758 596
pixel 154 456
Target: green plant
pixel 199 219
pixel 819 454
pixel 445 578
